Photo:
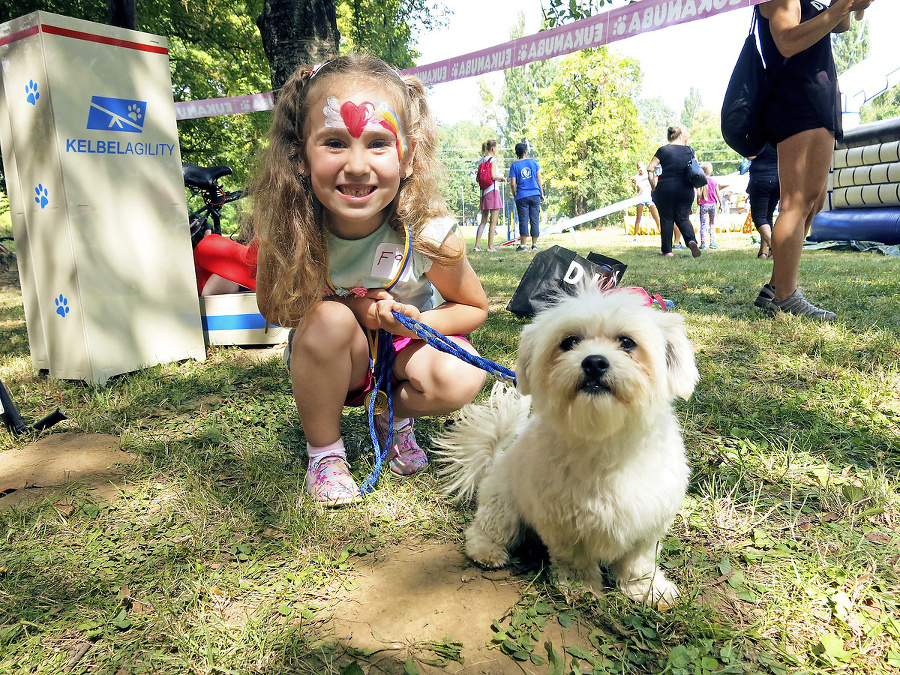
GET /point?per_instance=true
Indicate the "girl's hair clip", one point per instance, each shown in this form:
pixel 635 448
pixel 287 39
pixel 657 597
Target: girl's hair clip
pixel 317 67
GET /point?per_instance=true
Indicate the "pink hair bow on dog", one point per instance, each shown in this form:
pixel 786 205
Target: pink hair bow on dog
pixel 655 300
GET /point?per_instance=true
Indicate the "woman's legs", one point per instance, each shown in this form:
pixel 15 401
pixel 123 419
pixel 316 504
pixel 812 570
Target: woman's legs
pixel 667 222
pixel 534 216
pixel 803 163
pixel 765 239
pixel 682 207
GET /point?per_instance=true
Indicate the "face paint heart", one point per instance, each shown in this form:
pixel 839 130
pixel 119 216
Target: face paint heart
pixel 357 118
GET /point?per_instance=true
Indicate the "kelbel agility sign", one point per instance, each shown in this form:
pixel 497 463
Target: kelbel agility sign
pixel 117 116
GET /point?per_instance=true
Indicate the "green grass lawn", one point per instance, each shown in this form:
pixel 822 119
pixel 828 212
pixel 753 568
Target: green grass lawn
pixel 787 551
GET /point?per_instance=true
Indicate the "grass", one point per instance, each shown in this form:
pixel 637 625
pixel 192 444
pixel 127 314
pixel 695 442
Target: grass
pixel 786 550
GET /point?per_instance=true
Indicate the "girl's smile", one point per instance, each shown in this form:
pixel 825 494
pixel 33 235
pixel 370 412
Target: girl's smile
pixel 352 159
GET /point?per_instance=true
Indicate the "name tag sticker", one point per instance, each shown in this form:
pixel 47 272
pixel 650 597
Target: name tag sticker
pixel 388 260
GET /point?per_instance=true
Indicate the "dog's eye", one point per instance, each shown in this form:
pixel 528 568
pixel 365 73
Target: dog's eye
pixel 627 343
pixel 569 343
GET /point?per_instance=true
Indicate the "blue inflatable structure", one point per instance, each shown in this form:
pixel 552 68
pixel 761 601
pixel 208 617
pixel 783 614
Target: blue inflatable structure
pixel 864 199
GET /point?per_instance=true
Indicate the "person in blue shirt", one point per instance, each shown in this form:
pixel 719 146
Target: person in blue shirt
pixel 528 191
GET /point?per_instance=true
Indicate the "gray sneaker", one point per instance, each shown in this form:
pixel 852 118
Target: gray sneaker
pixel 800 306
pixel 765 297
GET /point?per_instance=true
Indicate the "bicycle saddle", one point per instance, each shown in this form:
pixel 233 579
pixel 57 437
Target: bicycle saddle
pixel 204 178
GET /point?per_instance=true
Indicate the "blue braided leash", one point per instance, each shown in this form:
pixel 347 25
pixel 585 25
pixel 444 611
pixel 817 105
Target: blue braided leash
pixel 384 367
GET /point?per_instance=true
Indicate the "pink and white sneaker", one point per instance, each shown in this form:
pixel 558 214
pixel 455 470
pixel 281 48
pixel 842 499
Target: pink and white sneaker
pixel 329 482
pixel 404 456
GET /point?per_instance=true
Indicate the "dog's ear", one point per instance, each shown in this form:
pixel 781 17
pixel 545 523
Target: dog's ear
pixel 681 370
pixel 523 362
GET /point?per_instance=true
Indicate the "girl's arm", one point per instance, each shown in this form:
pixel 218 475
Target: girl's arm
pixel 792 36
pixel 651 171
pixel 495 172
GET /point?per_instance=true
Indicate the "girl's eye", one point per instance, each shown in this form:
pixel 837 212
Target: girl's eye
pixel 380 143
pixel 334 143
pixel 569 343
pixel 627 343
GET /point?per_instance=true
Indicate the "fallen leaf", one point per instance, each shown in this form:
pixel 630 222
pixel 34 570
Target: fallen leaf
pixel 877 537
pixel 64 509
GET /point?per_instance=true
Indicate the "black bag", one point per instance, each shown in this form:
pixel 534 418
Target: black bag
pixel 694 174
pixel 744 98
pixel 558 270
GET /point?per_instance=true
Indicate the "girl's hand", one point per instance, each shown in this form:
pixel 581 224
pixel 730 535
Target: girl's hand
pixel 384 316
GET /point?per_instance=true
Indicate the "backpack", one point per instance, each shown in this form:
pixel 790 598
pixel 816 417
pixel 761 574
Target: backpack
pixel 485 176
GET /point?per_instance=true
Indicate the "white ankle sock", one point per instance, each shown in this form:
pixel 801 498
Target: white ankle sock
pixel 317 454
pixel 399 422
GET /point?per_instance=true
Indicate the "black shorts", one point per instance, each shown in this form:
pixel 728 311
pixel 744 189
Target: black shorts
pixel 790 110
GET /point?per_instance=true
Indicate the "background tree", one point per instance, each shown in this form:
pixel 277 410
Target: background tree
pixel 295 32
pixel 522 93
pixel 655 116
pixel 587 132
pixel 692 103
pixel 851 46
pixel 386 27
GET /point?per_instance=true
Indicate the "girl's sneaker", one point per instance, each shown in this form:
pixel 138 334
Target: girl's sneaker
pixel 329 482
pixel 713 245
pixel 404 456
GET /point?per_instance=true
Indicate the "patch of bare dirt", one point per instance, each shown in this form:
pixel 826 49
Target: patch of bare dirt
pixel 424 592
pixel 40 469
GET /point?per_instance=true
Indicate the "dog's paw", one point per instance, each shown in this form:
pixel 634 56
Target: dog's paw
pixel 656 590
pixel 575 584
pixel 486 552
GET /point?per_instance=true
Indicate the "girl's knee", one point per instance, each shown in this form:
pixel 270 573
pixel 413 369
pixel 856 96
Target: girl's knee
pixel 327 327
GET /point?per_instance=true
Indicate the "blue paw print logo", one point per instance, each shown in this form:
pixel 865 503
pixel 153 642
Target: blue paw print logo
pixel 62 305
pixel 31 92
pixel 41 196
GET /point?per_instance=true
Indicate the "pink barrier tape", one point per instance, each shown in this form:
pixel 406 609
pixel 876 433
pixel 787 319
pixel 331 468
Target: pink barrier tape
pixel 617 24
pixel 212 107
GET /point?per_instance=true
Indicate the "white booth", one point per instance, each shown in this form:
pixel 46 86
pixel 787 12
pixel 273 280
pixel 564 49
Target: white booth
pixel 93 170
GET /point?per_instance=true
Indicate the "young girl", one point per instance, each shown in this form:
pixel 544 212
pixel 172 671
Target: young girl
pixel 351 226
pixel 491 201
pixel 709 200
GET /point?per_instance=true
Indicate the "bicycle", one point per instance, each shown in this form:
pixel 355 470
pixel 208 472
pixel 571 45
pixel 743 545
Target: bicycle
pixel 203 182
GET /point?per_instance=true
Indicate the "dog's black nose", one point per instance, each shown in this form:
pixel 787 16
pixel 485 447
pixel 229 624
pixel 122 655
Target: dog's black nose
pixel 594 367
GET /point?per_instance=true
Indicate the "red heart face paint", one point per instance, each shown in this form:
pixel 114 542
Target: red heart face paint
pixel 358 118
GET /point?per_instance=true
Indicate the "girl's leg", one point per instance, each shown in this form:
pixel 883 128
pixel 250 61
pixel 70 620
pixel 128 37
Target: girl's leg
pixel 655 214
pixel 712 226
pixel 329 349
pixel 432 382
pixel 803 163
pixel 637 220
pixel 495 216
pixel 484 219
pixel 703 213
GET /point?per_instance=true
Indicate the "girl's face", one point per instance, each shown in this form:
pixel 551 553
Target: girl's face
pixel 353 157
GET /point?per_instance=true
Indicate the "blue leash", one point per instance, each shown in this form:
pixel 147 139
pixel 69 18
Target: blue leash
pixel 384 367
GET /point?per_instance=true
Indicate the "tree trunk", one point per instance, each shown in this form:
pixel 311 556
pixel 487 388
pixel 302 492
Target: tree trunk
pixel 297 32
pixel 122 13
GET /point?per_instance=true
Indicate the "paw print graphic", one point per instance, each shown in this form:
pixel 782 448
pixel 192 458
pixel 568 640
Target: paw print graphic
pixel 620 27
pixel 135 112
pixel 41 196
pixel 62 305
pixel 523 53
pixel 31 92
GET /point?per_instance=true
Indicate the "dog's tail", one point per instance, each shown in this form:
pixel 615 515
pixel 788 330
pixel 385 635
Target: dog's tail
pixel 469 447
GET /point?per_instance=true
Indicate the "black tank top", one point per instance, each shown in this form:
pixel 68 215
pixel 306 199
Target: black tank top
pixel 812 69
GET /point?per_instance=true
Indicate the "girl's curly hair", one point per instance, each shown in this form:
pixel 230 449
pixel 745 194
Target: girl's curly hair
pixel 287 219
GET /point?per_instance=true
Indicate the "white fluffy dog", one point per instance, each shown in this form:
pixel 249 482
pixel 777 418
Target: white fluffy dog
pixel 598 468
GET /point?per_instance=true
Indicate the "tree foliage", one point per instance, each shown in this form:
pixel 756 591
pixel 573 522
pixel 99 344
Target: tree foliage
pixel 522 93
pixel 851 46
pixel 587 131
pixel 386 27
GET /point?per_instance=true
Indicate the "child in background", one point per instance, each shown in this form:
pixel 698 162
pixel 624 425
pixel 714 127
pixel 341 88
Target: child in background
pixel 351 226
pixel 709 200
